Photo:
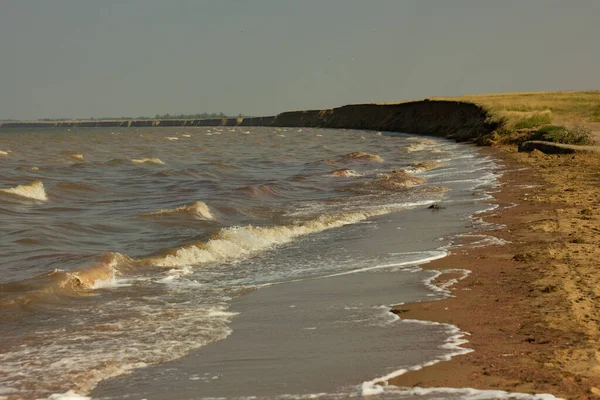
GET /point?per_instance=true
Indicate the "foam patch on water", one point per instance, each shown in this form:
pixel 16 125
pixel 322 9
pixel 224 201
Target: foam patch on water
pixel 34 191
pixel 153 160
pixel 70 395
pixel 176 277
pixel 117 346
pixel 4 153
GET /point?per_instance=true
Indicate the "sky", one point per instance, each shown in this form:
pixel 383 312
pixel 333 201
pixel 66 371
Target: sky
pixel 112 58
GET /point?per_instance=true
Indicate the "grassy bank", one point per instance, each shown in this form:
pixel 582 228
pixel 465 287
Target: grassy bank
pixel 561 107
pixel 559 117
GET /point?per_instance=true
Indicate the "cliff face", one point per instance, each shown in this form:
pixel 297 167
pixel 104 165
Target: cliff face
pixel 450 119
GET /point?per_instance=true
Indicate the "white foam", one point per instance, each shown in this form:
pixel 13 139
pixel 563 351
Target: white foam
pixel 4 153
pixel 428 257
pixel 349 173
pixel 484 241
pixel 453 343
pixel 148 161
pixel 239 242
pixel 34 190
pixel 481 225
pixel 70 395
pixel 175 277
pixel 444 287
pixel 172 138
pixel 463 394
pixel 491 207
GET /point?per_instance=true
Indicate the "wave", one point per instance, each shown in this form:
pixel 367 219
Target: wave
pixel 389 182
pixel 427 142
pixel 28 168
pixel 77 157
pixel 76 186
pixel 34 191
pixel 4 153
pixel 60 283
pixel 422 166
pixel 153 160
pixel 260 192
pixel 415 147
pixel 196 210
pixel 345 172
pixel 239 242
pixel 360 156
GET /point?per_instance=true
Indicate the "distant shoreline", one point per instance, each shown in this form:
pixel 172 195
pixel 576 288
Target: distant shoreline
pixel 124 123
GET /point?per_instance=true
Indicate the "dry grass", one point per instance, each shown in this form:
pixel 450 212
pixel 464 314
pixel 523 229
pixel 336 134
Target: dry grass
pixel 565 107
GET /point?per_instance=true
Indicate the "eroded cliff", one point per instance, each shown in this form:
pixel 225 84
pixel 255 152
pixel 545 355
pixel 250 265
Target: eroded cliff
pixel 451 119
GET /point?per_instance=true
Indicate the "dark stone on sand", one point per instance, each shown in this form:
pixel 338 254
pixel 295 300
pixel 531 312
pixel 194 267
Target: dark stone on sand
pixel 435 206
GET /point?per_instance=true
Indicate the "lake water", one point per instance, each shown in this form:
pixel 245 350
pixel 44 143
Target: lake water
pixel 123 249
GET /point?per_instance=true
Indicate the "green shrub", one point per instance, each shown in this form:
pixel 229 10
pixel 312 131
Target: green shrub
pixel 533 121
pixel 561 134
pixel 551 128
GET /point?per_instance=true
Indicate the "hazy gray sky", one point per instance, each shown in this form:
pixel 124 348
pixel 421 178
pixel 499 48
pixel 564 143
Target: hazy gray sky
pixel 81 58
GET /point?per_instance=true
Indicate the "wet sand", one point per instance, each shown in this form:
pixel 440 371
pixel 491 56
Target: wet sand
pixel 532 307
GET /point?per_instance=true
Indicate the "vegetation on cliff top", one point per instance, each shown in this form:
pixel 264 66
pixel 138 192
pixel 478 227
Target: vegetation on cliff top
pixel 582 106
pixel 528 116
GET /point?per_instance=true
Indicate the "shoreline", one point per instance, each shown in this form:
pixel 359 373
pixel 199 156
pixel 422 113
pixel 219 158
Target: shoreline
pixel 243 347
pixel 504 304
pixel 511 304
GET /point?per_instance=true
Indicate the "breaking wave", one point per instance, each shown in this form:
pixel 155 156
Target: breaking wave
pixel 153 160
pixel 389 182
pixel 239 242
pixel 422 166
pixel 196 210
pixel 345 172
pixel 34 191
pixel 59 283
pixel 360 156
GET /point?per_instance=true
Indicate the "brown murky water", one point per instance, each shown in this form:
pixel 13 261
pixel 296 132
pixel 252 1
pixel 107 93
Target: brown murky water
pixel 122 248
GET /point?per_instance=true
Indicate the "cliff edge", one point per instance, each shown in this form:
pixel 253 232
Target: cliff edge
pixel 450 119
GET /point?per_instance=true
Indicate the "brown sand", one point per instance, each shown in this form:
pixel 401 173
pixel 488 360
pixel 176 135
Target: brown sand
pixel 532 307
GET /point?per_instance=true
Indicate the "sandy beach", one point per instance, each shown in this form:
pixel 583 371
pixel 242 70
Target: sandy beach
pixel 531 306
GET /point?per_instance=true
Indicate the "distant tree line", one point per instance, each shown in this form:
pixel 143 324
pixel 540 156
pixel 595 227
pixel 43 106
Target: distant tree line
pixel 194 116
pixel 157 116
